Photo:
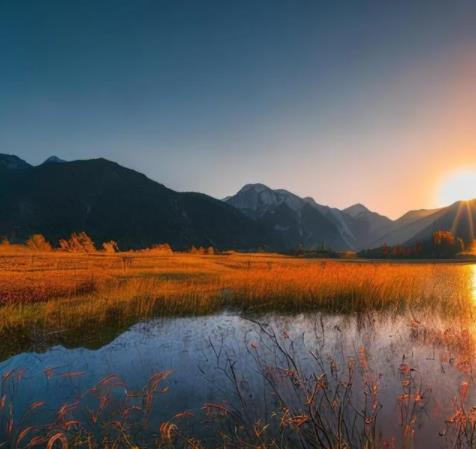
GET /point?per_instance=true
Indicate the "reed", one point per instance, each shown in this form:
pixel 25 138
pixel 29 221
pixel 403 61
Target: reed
pixel 45 292
pixel 319 402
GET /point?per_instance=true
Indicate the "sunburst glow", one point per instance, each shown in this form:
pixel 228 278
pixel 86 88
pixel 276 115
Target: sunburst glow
pixel 458 186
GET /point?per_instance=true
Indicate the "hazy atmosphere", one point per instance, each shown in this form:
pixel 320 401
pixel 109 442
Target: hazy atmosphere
pixel 371 102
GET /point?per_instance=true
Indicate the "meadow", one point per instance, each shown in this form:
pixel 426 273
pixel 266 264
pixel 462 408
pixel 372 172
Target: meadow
pixel 67 291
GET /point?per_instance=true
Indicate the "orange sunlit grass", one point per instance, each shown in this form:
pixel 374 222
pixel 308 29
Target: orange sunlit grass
pixel 84 291
pixel 53 276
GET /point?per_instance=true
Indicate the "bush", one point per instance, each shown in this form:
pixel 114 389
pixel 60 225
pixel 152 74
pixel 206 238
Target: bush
pixel 199 250
pixel 110 247
pixel 78 243
pixel 162 248
pixel 37 242
pixel 4 244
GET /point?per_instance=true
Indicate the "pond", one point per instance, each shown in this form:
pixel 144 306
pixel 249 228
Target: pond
pixel 397 378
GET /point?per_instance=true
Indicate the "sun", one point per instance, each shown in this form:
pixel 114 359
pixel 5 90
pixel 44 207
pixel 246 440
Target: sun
pixel 459 186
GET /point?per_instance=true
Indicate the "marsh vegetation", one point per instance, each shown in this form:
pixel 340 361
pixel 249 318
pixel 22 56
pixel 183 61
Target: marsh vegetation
pixel 235 350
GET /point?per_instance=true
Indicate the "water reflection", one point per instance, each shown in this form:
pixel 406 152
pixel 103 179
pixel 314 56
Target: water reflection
pixel 437 351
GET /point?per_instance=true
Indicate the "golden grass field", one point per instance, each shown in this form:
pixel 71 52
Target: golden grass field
pixel 62 290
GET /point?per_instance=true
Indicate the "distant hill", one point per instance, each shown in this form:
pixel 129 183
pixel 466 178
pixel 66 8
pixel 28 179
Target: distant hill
pixel 54 160
pixel 303 222
pixel 459 218
pixel 440 245
pixel 415 226
pixel 366 225
pixel 405 227
pixel 11 162
pixel 109 201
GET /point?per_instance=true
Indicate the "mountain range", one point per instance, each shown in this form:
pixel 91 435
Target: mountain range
pixel 303 222
pixel 111 202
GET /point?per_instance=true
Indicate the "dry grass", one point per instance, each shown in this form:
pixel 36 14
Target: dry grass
pixel 58 291
pixel 252 279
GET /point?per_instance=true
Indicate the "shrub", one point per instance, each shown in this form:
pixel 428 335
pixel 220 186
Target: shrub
pixel 37 242
pixel 78 243
pixel 162 248
pixel 4 244
pixel 110 247
pixel 200 250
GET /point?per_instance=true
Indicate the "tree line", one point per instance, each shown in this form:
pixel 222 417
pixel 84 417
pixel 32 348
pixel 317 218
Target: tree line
pixel 441 245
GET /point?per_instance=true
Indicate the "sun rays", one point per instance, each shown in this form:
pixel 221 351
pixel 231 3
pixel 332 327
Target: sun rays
pixel 469 213
pixel 465 212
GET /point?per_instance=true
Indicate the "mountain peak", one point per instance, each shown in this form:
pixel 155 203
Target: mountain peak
pixel 255 187
pixel 259 198
pixel 12 162
pixel 356 209
pixel 297 221
pixel 53 160
pixel 310 200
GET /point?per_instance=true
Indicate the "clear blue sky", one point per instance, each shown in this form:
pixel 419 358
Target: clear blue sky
pixel 345 101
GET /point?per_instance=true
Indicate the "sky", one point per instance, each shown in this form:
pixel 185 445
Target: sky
pixel 345 101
